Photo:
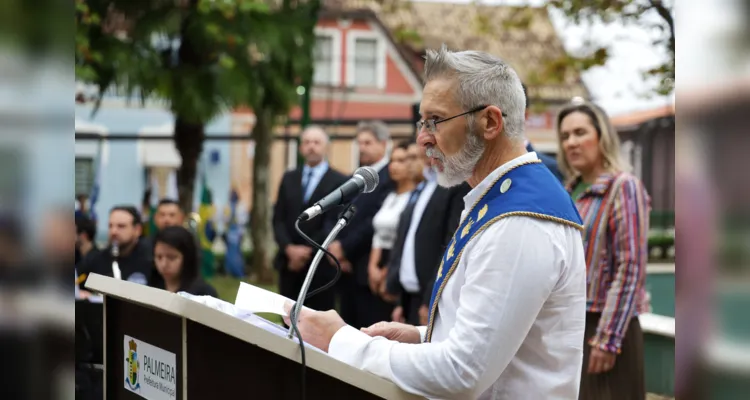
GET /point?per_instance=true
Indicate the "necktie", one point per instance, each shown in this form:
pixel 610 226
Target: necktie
pixel 415 194
pixel 305 184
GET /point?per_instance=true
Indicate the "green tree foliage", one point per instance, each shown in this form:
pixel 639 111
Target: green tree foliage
pixel 654 14
pixel 202 58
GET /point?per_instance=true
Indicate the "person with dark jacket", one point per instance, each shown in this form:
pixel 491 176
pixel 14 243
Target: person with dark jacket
pixel 424 230
pixel 132 253
pixel 300 189
pixel 175 266
pixel 85 239
pixel 359 306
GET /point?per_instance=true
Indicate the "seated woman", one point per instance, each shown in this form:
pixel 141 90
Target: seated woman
pixel 176 263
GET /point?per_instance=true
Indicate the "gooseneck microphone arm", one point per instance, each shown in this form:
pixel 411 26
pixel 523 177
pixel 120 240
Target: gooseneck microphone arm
pixel 344 219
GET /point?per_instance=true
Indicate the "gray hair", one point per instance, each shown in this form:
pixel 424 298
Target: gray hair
pixel 315 128
pixel 483 79
pixel 378 128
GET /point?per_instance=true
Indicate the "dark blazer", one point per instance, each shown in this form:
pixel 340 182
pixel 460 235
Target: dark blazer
pixel 135 267
pixel 289 205
pixel 435 230
pixel 356 237
pixel 549 162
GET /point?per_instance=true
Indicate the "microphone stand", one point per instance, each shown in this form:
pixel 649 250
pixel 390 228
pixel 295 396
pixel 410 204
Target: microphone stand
pixel 344 218
pixel 115 251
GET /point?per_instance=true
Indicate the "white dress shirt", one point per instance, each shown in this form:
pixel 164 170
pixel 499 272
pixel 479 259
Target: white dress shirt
pixel 315 175
pixel 408 270
pixel 510 320
pixel 385 222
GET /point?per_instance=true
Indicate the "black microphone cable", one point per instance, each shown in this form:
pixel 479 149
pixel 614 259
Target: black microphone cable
pixel 347 213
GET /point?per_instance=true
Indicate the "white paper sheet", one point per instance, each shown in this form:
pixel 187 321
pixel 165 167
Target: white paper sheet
pixel 246 316
pixel 257 300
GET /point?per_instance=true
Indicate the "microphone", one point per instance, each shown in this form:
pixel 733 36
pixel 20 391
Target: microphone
pixel 365 180
pixel 115 252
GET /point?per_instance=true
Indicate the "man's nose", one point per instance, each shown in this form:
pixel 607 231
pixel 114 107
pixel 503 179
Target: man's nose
pixel 424 138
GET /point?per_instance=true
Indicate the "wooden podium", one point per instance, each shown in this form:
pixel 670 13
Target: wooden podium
pixel 163 346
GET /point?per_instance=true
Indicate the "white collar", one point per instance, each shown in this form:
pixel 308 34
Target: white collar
pixel 320 168
pixel 485 184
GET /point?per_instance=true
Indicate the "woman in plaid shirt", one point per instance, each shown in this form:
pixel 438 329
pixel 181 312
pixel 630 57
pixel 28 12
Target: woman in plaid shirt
pixel 614 206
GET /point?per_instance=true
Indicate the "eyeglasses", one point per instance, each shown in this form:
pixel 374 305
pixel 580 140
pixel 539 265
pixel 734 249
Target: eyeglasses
pixel 431 124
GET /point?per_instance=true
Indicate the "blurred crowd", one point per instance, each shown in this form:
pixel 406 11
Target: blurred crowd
pixel 390 250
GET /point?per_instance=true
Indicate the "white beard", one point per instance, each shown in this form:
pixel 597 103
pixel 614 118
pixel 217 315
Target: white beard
pixel 458 168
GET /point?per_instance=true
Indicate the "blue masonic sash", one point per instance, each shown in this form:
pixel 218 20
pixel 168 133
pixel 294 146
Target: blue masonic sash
pixel 529 190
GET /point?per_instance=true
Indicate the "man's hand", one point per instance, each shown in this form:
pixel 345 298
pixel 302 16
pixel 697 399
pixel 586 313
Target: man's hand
pixel 398 314
pixel 424 314
pixel 601 361
pixel 316 327
pixel 84 294
pixel 346 267
pixel 336 250
pixel 395 331
pixel 298 255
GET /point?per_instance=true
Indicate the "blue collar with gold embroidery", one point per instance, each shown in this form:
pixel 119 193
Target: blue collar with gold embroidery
pixel 529 190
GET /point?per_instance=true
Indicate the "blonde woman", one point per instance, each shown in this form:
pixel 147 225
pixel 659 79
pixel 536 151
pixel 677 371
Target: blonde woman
pixel 614 206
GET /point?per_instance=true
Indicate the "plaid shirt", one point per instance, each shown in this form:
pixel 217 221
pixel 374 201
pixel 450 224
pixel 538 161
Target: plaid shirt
pixel 616 276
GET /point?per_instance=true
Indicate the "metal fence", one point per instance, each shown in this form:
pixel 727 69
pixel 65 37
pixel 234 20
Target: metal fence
pixel 651 148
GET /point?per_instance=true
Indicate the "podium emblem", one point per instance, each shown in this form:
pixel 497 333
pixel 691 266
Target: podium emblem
pixel 131 379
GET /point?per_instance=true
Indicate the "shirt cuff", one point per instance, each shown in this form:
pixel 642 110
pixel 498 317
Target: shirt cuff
pixel 345 344
pixel 608 342
pixel 422 332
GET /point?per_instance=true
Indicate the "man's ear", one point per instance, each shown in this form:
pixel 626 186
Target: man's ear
pixel 492 123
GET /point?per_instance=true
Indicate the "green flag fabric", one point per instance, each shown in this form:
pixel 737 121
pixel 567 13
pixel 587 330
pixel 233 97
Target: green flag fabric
pixel 206 230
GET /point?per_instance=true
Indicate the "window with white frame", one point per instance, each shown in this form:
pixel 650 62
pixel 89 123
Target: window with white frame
pixel 324 60
pixel 366 59
pixel 292 154
pixel 84 180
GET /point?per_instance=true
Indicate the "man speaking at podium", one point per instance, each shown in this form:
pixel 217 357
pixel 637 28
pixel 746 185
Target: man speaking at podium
pixel 507 311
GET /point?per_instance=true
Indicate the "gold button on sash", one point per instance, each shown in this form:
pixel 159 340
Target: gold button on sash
pixel 505 185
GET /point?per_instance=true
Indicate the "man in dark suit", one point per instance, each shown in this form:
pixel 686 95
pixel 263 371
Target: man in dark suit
pixel 549 162
pixel 299 189
pixel 426 226
pixel 355 241
pixel 134 254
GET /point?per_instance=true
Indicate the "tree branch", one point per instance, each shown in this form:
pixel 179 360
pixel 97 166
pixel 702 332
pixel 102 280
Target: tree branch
pixel 666 14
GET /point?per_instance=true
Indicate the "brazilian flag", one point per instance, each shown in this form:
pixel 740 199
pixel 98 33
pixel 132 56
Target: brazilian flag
pixel 206 230
pixel 148 211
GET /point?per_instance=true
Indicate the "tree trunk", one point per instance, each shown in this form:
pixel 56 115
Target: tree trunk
pixel 189 132
pixel 260 215
pixel 188 139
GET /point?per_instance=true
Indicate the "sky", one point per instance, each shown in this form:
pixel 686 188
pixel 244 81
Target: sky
pixel 617 86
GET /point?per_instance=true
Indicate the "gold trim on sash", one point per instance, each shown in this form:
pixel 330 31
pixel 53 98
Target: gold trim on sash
pixel 453 266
